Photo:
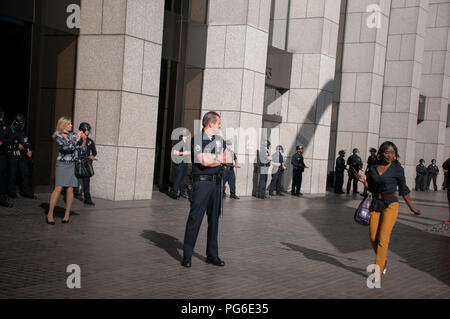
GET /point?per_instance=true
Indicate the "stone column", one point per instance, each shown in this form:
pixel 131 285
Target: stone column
pixel 117 88
pixel 430 139
pixel 363 63
pixel 313 35
pixel 402 79
pixel 234 75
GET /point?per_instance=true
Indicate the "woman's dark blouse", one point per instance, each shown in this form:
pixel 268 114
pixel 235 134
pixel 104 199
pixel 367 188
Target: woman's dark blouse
pixel 388 182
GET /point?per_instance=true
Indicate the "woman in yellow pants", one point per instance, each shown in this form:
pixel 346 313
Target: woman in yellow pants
pixel 382 181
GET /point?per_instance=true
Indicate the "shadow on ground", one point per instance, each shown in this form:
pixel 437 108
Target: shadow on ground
pixel 167 242
pixel 58 211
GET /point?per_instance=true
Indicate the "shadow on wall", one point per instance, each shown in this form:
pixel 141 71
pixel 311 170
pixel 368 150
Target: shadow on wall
pixel 306 133
pixel 419 249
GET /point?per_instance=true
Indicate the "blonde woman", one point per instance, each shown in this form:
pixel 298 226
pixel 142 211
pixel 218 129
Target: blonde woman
pixel 69 144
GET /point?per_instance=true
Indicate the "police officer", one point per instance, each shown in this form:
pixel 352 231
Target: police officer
pixel 4 141
pixel 421 172
pixel 19 153
pixel 91 152
pixel 264 162
pixel 228 173
pixel 181 155
pixel 432 171
pixel 208 152
pixel 339 171
pixel 355 164
pixel 278 167
pixel 371 160
pixel 298 166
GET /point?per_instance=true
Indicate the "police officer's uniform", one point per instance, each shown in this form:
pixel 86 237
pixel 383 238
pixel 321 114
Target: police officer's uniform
pixel 277 173
pixel 432 172
pixel 230 177
pixel 339 171
pixel 85 182
pixel 298 166
pixel 19 162
pixel 421 172
pixel 355 162
pixel 179 183
pixel 4 138
pixel 207 196
pixel 371 160
pixel 264 164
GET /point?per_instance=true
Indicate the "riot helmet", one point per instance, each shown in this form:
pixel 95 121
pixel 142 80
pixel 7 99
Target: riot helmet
pixel 85 127
pixel 433 161
pixel 421 161
pixel 299 147
pixel 373 150
pixel 341 152
pixel 355 151
pixel 280 148
pixel 229 142
pixel 19 121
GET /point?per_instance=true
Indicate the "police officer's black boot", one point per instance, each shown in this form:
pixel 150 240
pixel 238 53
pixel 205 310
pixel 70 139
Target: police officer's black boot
pixel 88 201
pixel 4 202
pixel 234 196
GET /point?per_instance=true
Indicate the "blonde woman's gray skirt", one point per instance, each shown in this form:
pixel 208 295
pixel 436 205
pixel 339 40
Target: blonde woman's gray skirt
pixel 65 174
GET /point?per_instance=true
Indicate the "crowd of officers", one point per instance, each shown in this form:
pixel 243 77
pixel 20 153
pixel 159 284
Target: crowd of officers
pixel 423 178
pixel 265 164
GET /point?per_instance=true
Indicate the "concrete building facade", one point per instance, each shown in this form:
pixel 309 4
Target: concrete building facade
pixel 327 74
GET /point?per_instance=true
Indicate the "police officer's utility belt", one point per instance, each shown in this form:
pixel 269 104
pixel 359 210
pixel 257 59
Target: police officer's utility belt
pixel 206 178
pixel 228 167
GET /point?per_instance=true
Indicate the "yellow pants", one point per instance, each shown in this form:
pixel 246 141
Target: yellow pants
pixel 381 225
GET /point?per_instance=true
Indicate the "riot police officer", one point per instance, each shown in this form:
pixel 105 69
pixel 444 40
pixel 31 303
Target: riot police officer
pixel 181 158
pixel 278 167
pixel 264 162
pixel 421 172
pixel 91 152
pixel 208 152
pixel 355 164
pixel 432 171
pixel 228 173
pixel 339 171
pixel 298 167
pixel 371 160
pixel 19 153
pixel 4 141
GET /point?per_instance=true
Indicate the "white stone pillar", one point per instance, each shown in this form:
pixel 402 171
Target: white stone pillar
pixel 117 88
pixel 235 69
pixel 363 63
pixel 313 35
pixel 402 79
pixel 430 138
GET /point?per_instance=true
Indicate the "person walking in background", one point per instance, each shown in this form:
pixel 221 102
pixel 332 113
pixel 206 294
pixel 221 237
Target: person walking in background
pixel 383 179
pixel 421 172
pixel 371 160
pixel 355 164
pixel 432 173
pixel 339 173
pixel 69 144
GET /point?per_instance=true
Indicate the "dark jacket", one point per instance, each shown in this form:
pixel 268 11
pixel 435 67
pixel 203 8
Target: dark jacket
pixel 297 162
pixel 340 164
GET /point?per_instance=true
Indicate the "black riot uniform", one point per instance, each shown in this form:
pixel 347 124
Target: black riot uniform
pixel 432 173
pixel 228 173
pixel 5 133
pixel 339 173
pixel 355 164
pixel 181 161
pixel 298 166
pixel 19 160
pixel 277 172
pixel 421 173
pixel 264 163
pixel 206 196
pixel 90 150
pixel 371 160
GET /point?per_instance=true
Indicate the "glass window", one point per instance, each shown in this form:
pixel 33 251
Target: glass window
pixel 448 115
pixel 279 21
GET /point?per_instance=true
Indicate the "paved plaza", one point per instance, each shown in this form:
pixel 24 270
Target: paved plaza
pixel 285 247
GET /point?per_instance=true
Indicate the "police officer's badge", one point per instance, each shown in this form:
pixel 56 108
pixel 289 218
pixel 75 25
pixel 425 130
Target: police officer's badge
pixel 198 148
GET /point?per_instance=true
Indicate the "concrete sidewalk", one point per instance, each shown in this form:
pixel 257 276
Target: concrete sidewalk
pixel 284 247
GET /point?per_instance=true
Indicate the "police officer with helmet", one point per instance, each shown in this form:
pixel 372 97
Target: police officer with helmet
pixel 298 166
pixel 4 140
pixel 432 171
pixel 339 173
pixel 421 173
pixel 19 153
pixel 228 173
pixel 264 161
pixel 208 153
pixel 90 152
pixel 278 167
pixel 371 160
pixel 180 153
pixel 355 164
